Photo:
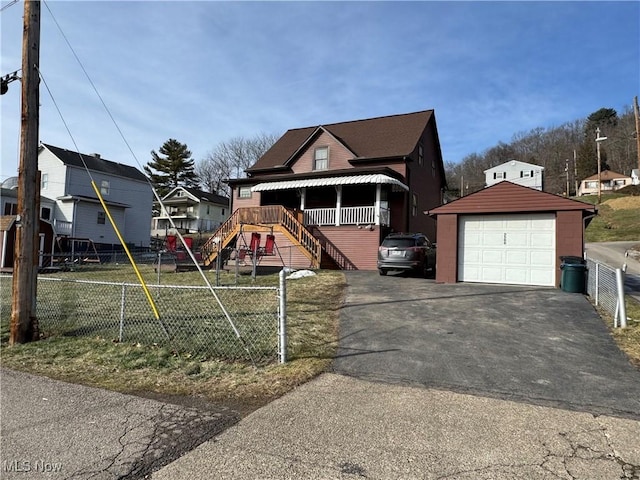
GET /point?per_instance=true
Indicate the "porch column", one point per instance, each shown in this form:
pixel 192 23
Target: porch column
pixel 303 196
pixel 338 204
pixel 377 204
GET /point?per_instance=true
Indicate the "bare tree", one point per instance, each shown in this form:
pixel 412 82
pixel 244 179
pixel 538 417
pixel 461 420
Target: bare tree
pixel 230 159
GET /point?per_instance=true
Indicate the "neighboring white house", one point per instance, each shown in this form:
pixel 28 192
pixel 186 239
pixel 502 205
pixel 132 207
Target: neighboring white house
pixel 635 176
pixel 192 211
pixel 77 212
pixel 520 173
pixel 609 181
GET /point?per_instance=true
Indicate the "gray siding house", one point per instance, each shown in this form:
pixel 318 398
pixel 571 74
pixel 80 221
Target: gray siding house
pixel 520 173
pixel 77 211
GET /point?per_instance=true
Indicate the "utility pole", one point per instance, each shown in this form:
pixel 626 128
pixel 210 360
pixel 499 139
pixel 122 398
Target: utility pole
pixel 599 140
pixel 24 324
pixel 637 114
pixel 575 170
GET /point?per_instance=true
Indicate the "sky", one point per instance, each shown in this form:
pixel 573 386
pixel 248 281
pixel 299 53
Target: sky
pixel 204 72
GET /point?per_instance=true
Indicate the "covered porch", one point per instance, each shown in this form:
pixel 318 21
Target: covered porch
pixel 335 201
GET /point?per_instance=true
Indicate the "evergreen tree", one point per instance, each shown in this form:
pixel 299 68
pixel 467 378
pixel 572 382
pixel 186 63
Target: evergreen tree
pixel 171 167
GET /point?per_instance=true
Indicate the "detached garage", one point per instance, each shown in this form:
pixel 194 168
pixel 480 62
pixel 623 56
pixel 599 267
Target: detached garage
pixel 508 234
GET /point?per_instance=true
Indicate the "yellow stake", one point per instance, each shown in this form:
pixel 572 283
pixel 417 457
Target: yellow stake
pixel 135 267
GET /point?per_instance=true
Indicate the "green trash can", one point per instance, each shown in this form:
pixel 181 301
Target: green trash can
pixel 574 277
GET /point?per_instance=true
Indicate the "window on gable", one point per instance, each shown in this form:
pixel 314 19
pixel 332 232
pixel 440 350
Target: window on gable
pixel 321 158
pixel 10 208
pixel 105 187
pixel 244 192
pixel 420 155
pixel 499 175
pixel 44 181
pixel 45 213
pixel 101 218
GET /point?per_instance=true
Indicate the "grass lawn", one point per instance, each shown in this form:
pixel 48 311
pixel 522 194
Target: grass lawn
pixel 313 305
pixel 618 218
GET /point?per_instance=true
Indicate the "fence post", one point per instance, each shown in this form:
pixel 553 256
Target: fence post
pixel 597 281
pixel 122 302
pixel 282 318
pixel 621 309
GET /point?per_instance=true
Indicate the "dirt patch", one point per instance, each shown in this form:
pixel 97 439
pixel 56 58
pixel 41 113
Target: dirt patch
pixel 624 203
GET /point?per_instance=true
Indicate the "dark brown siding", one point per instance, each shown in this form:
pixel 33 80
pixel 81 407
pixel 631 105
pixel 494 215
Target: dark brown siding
pixel 569 237
pixel 426 182
pixel 447 249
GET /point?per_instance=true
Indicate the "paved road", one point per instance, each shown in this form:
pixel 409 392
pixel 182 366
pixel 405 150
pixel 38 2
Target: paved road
pixel 536 344
pixel 53 429
pixel 613 255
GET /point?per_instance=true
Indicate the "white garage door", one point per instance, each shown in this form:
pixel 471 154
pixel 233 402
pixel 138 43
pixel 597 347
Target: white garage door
pixel 513 249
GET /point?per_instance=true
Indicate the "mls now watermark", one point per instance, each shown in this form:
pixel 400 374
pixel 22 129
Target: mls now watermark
pixel 28 466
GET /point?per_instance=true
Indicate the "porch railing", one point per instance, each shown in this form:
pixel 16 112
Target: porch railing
pixel 266 215
pixel 348 216
pixel 62 227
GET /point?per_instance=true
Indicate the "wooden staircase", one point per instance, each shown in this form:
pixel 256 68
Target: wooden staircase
pixel 276 216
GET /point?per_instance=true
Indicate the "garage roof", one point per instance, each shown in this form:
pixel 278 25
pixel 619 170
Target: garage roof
pixel 507 197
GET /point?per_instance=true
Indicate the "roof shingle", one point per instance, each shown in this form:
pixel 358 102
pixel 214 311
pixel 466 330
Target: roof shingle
pixel 96 164
pixel 380 137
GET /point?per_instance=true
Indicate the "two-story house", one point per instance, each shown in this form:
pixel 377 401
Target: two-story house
pixel 520 173
pixel 192 211
pixel 66 178
pixel 330 193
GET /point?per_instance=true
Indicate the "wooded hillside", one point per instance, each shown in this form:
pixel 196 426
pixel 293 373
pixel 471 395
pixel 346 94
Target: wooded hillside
pixel 555 149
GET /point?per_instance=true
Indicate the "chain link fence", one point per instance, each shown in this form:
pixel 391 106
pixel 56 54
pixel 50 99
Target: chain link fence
pixel 232 323
pixel 602 286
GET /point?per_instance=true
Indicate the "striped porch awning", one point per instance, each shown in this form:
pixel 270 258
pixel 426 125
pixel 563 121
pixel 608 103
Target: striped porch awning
pixel 329 181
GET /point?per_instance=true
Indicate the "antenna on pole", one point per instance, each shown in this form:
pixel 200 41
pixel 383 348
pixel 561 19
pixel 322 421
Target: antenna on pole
pixel 24 324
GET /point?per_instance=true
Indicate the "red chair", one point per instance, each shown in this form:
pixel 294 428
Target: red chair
pixel 270 243
pixel 255 242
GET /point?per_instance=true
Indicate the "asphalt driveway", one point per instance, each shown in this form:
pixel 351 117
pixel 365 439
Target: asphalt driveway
pixel 533 344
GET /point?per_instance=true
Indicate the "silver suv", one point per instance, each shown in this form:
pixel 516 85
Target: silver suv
pixel 407 252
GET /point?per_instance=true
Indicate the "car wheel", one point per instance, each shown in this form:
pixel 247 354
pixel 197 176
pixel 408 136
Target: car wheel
pixel 382 272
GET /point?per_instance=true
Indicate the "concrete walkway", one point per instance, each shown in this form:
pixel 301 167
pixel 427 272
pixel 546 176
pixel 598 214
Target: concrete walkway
pixel 338 427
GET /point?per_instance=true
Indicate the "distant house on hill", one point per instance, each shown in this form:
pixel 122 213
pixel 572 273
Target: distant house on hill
pixel 635 176
pixel 520 173
pixel 610 181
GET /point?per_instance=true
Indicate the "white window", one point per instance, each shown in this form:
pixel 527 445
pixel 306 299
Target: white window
pixel 244 192
pixel 44 181
pixel 592 184
pixel 526 174
pixel 180 193
pixel 104 187
pixel 321 158
pixel 499 175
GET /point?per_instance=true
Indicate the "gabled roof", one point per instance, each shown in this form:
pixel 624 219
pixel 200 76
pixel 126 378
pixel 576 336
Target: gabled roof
pixel 96 164
pixel 380 137
pixel 507 197
pixel 513 163
pixel 200 195
pixel 607 175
